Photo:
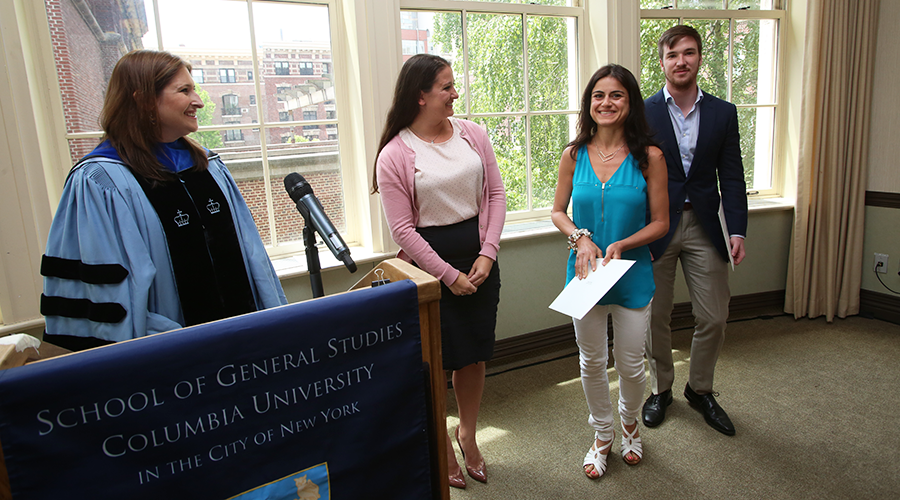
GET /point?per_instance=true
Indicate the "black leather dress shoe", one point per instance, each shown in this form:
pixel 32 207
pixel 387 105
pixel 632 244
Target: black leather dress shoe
pixel 654 411
pixel 714 415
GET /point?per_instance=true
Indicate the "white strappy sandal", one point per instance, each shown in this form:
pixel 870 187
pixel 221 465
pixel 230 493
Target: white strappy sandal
pixel 595 458
pixel 631 444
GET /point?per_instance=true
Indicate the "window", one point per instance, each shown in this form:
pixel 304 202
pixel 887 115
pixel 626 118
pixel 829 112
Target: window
pixel 282 68
pixel 230 105
pixel 84 67
pixel 233 135
pixel 197 75
pixel 740 60
pixel 517 74
pixel 306 68
pixel 310 114
pixel 227 75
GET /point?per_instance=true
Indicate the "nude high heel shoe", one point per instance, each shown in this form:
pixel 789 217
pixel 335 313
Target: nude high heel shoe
pixel 478 473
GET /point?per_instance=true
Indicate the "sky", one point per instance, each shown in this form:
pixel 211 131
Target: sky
pixel 197 23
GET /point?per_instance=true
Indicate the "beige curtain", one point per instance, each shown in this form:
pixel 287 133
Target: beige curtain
pixel 825 270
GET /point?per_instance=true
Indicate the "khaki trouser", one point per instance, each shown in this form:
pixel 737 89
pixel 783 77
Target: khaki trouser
pixel 706 275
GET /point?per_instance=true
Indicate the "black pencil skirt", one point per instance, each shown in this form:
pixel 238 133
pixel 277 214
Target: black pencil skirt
pixel 467 321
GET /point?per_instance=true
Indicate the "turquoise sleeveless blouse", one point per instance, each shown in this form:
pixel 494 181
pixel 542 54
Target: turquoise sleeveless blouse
pixel 614 211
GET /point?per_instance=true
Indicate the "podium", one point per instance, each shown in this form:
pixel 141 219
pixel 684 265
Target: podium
pixel 339 397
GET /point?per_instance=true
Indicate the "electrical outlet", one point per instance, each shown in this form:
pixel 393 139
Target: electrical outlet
pixel 881 263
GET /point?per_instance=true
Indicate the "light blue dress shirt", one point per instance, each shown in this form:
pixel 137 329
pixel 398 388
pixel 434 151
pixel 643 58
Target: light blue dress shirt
pixel 686 128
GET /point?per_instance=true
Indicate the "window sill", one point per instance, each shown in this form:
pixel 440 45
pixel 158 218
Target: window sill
pixel 770 204
pixel 295 265
pixel 528 229
pixel 538 228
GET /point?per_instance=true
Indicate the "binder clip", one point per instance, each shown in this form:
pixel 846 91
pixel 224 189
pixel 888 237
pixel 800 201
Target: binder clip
pixel 381 280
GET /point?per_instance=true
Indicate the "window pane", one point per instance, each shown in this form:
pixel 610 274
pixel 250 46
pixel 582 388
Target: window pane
pixel 294 74
pixel 178 25
pixel 757 129
pixel 84 59
pixel 552 61
pixel 657 4
pixel 751 4
pixel 713 76
pixel 700 4
pixel 549 136
pixel 318 163
pixel 218 55
pixel 508 139
pixel 652 76
pixel 496 70
pixel 753 76
pixel 447 43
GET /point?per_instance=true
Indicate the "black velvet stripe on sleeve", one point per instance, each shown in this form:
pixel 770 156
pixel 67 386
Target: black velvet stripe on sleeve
pixel 71 269
pixel 102 312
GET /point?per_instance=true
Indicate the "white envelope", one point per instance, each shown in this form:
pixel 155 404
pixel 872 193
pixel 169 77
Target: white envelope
pixel 580 296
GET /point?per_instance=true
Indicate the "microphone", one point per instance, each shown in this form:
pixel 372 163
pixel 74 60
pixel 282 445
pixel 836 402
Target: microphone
pixel 308 205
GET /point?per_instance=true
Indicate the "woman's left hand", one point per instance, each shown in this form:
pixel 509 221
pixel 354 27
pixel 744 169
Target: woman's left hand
pixel 480 270
pixel 613 251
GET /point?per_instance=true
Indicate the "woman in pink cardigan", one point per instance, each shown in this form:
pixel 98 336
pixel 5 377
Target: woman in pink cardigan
pixel 445 204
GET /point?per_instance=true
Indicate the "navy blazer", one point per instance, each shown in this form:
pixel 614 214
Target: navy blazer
pixel 717 162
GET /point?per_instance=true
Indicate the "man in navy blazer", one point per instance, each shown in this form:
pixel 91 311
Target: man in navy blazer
pixel 698 134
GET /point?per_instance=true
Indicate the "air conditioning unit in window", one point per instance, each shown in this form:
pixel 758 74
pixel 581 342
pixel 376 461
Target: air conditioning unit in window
pixel 244 110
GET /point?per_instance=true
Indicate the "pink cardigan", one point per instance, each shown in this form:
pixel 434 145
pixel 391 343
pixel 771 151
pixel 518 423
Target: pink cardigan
pixel 396 182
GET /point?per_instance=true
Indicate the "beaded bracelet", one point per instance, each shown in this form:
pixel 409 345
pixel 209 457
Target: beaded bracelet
pixel 576 234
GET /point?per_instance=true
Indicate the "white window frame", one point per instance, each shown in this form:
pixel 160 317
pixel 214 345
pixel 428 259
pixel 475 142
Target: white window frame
pixel 779 14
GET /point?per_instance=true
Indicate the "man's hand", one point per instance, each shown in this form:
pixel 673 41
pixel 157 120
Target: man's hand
pixel 737 249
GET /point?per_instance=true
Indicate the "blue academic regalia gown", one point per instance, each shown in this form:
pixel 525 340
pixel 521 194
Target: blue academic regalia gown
pixel 106 226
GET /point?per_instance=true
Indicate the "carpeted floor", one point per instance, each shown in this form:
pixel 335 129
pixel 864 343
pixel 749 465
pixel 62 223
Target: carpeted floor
pixel 815 406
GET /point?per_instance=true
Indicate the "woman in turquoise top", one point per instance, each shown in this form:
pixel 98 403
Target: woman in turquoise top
pixel 616 179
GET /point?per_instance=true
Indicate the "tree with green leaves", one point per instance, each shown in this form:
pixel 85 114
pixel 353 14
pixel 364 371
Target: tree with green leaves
pixel 210 139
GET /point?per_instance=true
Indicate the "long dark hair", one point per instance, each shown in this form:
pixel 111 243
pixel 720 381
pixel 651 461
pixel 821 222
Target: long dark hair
pixel 637 131
pixel 129 117
pixel 417 75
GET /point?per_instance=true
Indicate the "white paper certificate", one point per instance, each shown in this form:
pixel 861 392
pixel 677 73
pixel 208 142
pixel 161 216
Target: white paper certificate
pixel 580 296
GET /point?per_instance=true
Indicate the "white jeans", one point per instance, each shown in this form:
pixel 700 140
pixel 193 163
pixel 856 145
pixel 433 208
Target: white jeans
pixel 630 328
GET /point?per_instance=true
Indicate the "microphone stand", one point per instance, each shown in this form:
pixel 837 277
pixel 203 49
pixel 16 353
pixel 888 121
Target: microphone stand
pixel 312 258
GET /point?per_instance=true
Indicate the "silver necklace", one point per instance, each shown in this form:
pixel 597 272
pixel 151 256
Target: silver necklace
pixel 432 139
pixel 607 157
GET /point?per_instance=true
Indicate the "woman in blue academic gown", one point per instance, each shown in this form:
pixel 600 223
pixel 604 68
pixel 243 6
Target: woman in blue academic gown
pixel 151 233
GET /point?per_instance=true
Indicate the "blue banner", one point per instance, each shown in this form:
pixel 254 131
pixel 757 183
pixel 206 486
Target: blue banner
pixel 317 400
